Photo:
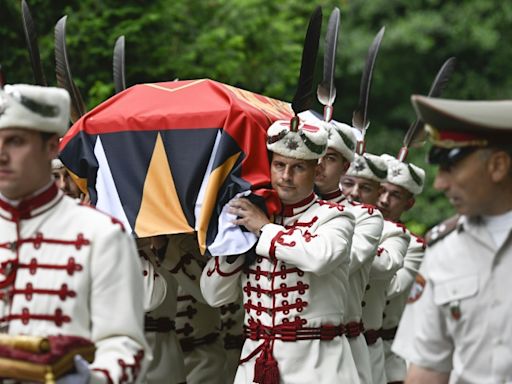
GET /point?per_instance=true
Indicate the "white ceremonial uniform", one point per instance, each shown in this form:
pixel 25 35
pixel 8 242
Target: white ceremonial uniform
pixel 462 320
pixel 197 324
pixel 294 294
pixel 161 290
pixel 69 269
pixel 390 255
pixel 397 294
pixel 155 286
pixel 367 232
pixel 232 336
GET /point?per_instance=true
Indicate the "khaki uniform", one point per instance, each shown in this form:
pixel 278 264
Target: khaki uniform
pixel 389 259
pixel 294 295
pixel 462 319
pixel 69 269
pixel 397 293
pixel 367 232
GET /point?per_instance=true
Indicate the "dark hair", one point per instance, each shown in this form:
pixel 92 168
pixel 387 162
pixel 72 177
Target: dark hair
pixel 47 136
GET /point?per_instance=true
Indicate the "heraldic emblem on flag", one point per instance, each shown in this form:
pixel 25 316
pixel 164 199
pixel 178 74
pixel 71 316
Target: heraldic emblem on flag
pixel 164 158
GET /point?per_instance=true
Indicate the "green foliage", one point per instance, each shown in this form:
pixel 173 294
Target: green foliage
pixel 256 45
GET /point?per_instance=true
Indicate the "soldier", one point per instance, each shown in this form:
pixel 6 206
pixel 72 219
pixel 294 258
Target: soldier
pixel 295 287
pixel 64 181
pixel 196 322
pixel 461 331
pixel 368 228
pixel 232 333
pixel 403 183
pixel 362 184
pixel 160 291
pixel 64 268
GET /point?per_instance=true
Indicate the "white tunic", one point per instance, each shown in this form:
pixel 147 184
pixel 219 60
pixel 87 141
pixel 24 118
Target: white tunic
pixel 367 232
pixel 69 269
pixel 390 254
pixel 161 289
pixel 397 293
pixel 232 336
pixel 462 320
pixel 197 324
pixel 299 280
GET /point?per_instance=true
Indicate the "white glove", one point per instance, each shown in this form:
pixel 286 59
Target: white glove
pixel 82 374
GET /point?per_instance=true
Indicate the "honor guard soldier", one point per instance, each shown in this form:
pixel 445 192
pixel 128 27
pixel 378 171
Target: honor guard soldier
pixel 160 292
pixel 295 287
pixel 461 331
pixel 64 181
pixel 362 184
pixel 197 323
pixel 65 268
pixel 232 333
pixel 368 228
pixel 404 182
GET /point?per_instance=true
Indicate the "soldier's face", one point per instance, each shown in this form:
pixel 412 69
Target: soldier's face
pixel 329 171
pixel 25 160
pixel 360 189
pixel 394 200
pixel 66 183
pixel 467 184
pixel 293 179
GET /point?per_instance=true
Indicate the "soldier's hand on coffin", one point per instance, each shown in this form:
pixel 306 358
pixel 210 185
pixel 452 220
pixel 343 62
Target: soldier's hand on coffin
pixel 82 374
pixel 248 215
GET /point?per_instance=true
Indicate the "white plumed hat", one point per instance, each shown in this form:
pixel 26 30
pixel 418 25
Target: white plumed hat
pixel 341 138
pixel 307 142
pixel 44 109
pixel 57 164
pixel 405 175
pixel 369 166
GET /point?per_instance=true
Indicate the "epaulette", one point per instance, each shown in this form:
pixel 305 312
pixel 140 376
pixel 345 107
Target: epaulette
pixel 441 230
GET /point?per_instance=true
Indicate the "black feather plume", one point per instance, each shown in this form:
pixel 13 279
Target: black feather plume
pixel 326 91
pixel 360 116
pixel 442 77
pixel 33 48
pixel 118 65
pixel 416 134
pixel 64 77
pixel 304 94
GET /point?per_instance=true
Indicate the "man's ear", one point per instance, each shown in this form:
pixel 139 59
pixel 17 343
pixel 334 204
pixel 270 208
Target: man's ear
pixel 499 166
pixel 53 146
pixel 410 203
pixel 346 166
